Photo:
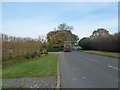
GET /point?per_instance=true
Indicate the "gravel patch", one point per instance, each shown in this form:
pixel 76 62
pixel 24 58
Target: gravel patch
pixel 34 82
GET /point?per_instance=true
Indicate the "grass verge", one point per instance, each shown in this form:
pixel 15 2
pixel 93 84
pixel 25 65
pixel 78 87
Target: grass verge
pixel 14 61
pixel 109 54
pixel 37 67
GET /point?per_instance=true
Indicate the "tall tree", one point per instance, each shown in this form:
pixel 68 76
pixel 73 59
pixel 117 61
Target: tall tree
pixel 64 27
pixel 100 32
pixel 63 33
pixel 42 38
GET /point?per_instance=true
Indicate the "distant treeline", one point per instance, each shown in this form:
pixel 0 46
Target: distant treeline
pixel 13 47
pixel 105 43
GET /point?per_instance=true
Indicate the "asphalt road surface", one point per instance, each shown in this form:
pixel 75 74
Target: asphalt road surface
pixel 83 70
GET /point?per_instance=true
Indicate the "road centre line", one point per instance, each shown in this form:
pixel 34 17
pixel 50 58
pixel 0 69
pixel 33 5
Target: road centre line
pixel 97 62
pixel 113 67
pixel 88 58
pixel 91 59
pixel 77 54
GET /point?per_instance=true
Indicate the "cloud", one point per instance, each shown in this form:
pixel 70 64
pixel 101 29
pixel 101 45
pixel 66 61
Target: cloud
pixel 39 20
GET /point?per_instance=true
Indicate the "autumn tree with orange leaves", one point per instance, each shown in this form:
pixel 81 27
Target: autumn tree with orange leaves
pixel 61 34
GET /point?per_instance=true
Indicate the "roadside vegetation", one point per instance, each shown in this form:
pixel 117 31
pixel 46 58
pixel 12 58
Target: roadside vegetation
pixel 27 57
pixel 102 43
pixel 56 38
pixel 36 67
pixel 22 57
pixel 14 47
pixel 49 47
pixel 61 34
pixel 109 54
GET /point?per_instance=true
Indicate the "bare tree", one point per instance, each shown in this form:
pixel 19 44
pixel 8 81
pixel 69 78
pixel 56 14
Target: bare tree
pixel 64 27
pixel 42 38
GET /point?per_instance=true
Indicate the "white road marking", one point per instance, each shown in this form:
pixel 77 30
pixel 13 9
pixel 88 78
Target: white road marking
pixel 87 58
pixel 113 67
pixel 77 54
pixel 91 59
pixel 84 77
pixel 74 79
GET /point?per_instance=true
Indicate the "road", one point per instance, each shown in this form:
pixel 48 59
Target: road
pixel 83 70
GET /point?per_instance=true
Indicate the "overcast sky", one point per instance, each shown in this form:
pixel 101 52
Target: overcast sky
pixel 30 19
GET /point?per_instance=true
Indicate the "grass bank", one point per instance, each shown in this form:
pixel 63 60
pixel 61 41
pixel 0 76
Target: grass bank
pixel 109 54
pixel 14 61
pixel 37 67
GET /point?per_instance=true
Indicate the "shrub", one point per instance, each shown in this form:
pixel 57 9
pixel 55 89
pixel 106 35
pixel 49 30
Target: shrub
pixel 108 43
pixel 14 47
pixel 48 47
pixel 85 43
pixel 29 56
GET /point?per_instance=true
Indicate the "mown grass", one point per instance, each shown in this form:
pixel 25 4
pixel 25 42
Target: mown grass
pixel 14 61
pixel 109 54
pixel 37 67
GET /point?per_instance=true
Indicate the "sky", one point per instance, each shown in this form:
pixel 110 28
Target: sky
pixel 30 19
pixel 60 0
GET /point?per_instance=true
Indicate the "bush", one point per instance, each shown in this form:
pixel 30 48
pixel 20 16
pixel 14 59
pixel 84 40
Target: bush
pixel 43 52
pixel 53 49
pixel 48 47
pixel 108 43
pixel 29 56
pixel 14 47
pixel 85 43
